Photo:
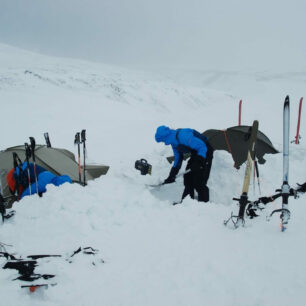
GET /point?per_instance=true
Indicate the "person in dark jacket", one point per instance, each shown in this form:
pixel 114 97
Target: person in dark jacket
pixel 199 165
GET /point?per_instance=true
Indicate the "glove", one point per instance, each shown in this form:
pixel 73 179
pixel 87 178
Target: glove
pixel 172 175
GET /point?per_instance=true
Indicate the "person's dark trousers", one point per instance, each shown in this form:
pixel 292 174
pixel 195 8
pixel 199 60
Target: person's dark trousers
pixel 197 177
pixel 188 182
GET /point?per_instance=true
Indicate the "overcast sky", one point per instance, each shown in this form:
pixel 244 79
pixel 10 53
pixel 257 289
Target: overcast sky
pixel 204 34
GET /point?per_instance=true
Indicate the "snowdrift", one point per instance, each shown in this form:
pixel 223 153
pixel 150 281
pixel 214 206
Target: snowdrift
pixel 153 253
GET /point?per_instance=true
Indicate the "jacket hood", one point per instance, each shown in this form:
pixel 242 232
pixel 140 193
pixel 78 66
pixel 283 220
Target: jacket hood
pixel 165 134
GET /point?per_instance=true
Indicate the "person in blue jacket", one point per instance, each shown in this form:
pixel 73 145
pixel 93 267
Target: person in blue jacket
pixel 18 180
pixel 199 165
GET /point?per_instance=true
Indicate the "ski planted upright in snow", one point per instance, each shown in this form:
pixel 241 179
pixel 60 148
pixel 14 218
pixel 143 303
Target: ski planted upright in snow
pixel 33 144
pixel 28 155
pixel 285 191
pixel 243 200
pixel 285 215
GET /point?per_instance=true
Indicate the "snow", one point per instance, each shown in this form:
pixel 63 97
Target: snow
pixel 150 252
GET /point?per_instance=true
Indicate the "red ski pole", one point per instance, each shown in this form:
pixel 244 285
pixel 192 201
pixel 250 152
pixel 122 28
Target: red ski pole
pixel 239 115
pixel 297 137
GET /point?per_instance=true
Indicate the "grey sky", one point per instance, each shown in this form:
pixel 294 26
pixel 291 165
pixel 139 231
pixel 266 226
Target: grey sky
pixel 204 34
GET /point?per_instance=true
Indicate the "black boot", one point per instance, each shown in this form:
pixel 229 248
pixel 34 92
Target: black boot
pixel 203 195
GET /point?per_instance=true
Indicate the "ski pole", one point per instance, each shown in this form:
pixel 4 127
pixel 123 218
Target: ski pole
pixel 239 114
pixel 32 140
pixel 28 155
pixel 254 174
pixel 257 175
pixel 83 139
pixel 77 141
pixel 297 137
pixel 46 135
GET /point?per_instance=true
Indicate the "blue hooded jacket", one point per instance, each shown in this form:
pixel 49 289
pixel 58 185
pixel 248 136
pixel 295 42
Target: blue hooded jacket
pixel 44 178
pixel 182 141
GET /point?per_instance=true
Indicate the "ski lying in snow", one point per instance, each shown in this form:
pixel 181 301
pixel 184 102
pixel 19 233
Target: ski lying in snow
pixel 285 191
pixel 243 200
pixel 33 287
pixel 155 185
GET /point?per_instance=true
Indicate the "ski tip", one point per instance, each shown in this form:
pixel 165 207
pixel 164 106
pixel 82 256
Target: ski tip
pixel 287 99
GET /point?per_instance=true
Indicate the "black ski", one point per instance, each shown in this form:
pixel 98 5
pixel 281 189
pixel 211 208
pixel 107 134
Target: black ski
pixel 243 200
pixel 48 143
pixel 28 155
pixel 17 164
pixel 33 144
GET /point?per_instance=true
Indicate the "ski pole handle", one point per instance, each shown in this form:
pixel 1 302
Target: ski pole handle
pixel 27 151
pixel 77 139
pixel 33 143
pixel 83 135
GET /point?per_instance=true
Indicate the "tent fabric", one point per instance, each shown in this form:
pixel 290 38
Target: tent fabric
pixel 55 160
pixel 235 140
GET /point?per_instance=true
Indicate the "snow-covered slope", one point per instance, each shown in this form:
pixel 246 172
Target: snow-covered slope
pixel 150 252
